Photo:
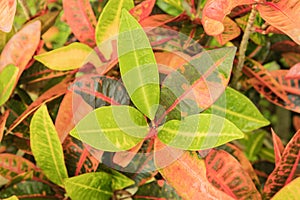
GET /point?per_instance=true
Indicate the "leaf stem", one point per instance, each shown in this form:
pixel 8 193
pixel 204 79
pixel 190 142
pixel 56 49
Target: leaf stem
pixel 25 8
pixel 237 73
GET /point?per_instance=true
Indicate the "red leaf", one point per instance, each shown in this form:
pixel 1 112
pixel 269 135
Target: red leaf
pixel 157 20
pixel 226 173
pixel 7 14
pixel 283 172
pixel 296 122
pixel 231 31
pixel 286 46
pixel 3 119
pixel 294 72
pixel 215 11
pixel 291 58
pixel 284 15
pixel 185 172
pixel 26 40
pixel 53 93
pixel 278 147
pixel 80 17
pixel 143 10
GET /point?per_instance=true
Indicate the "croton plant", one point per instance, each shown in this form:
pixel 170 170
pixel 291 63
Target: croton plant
pixel 153 99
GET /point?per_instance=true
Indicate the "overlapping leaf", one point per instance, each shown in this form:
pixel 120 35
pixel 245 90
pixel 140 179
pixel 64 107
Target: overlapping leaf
pixel 8 78
pixel 112 128
pixel 294 72
pixel 3 119
pixel 278 148
pixel 231 31
pixel 226 173
pixel 283 15
pixel 198 132
pixel 80 17
pixel 172 7
pixel 137 63
pixel 198 84
pixel 284 171
pixel 46 147
pixel 186 173
pixel 142 10
pixel 215 11
pixel 7 14
pixel 289 192
pixel 245 116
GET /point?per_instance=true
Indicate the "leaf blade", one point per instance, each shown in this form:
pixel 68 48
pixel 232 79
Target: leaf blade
pixel 46 146
pixel 137 61
pixel 8 78
pixel 7 14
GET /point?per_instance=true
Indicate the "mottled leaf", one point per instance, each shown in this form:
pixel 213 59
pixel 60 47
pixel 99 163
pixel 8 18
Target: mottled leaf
pixel 238 109
pixel 289 192
pixel 8 79
pixel 285 169
pixel 142 10
pixel 46 147
pixel 197 132
pixel 215 11
pixel 231 31
pixel 278 147
pixel 80 17
pixel 137 62
pixel 156 20
pixel 95 185
pixel 186 173
pixel 226 174
pixel 69 57
pixel 294 72
pixel 112 128
pixel 291 58
pixel 283 15
pixel 108 25
pixel 7 14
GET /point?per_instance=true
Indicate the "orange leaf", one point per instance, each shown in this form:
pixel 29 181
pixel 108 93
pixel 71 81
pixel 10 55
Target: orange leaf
pixel 294 72
pixel 7 14
pixel 291 58
pixel 231 31
pixel 278 147
pixel 296 122
pixel 157 20
pixel 286 168
pixel 21 47
pixel 283 15
pixel 143 10
pixel 80 17
pixel 3 119
pixel 186 173
pixel 226 173
pixel 215 11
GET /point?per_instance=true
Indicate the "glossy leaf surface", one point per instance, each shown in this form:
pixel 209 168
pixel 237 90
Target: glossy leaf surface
pixel 80 17
pixel 289 192
pixel 238 109
pixel 8 78
pixel 198 132
pixel 95 185
pixel 46 147
pixel 226 174
pixel 283 15
pixel 186 172
pixel 69 57
pixel 112 128
pixel 7 14
pixel 137 62
pixel 172 7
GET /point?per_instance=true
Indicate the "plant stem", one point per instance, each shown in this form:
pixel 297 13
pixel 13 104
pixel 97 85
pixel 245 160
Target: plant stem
pixel 25 8
pixel 237 73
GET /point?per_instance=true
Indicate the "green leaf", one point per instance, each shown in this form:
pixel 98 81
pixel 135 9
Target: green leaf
pixel 108 24
pixel 289 192
pixel 69 57
pixel 138 66
pixel 198 132
pixel 95 185
pixel 238 109
pixel 12 198
pixel 46 147
pixel 172 7
pixel 8 77
pixel 112 128
pixel 120 181
pixel 254 144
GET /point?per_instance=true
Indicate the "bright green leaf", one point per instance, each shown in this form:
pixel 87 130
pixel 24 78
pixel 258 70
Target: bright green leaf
pixel 69 57
pixel 8 78
pixel 112 128
pixel 120 181
pixel 46 147
pixel 138 66
pixel 198 132
pixel 172 7
pixel 95 185
pixel 108 24
pixel 289 192
pixel 238 109
pixel 12 198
